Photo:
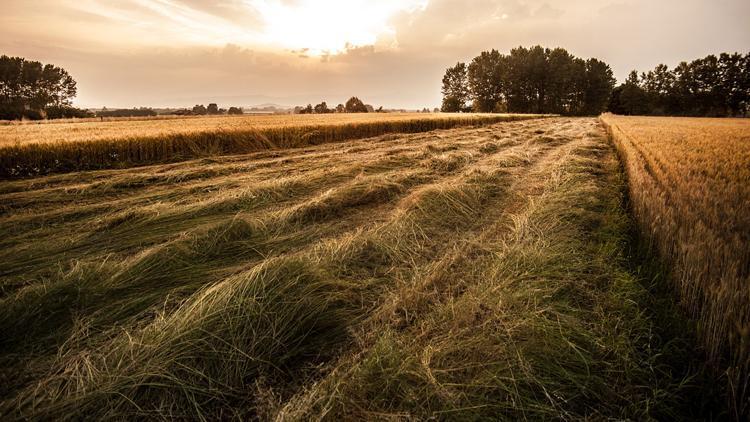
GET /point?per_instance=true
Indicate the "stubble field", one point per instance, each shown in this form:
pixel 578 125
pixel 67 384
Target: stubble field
pixel 475 273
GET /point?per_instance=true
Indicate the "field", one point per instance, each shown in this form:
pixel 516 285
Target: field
pixel 30 149
pixel 690 193
pixel 470 273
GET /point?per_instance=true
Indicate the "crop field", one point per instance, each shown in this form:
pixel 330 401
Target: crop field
pixel 690 193
pixel 470 273
pixel 28 149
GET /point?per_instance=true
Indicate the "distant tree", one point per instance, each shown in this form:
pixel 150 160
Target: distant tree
pixel 436 110
pixel 235 110
pixel 128 112
pixel 67 112
pixel 529 80
pixel 455 88
pixel 355 105
pixel 486 75
pixel 212 109
pixel 370 108
pixel 199 109
pixel 632 98
pixel 598 87
pixel 29 88
pixel 709 86
pixel 340 108
pixel 322 108
pixel 659 85
pixel 379 110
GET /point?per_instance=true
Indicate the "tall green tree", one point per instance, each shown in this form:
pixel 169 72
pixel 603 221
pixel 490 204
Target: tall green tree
pixel 598 87
pixel 455 88
pixel 355 105
pixel 486 76
pixel 633 99
pixel 28 88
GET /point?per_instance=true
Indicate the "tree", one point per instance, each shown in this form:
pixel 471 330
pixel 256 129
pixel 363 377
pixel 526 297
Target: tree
pixel 212 109
pixel 322 108
pixel 455 88
pixel 598 88
pixel 633 99
pixel 199 109
pixel 355 105
pixel 29 88
pixel 235 110
pixel 530 80
pixel 340 108
pixel 486 75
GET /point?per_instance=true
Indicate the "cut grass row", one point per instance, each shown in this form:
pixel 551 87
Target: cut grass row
pixel 28 157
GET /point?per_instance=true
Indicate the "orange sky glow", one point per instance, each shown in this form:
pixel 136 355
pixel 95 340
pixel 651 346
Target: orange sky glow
pixel 158 53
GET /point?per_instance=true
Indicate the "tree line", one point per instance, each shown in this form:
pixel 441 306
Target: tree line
pixel 711 86
pixel 528 80
pixel 32 90
pixel 353 105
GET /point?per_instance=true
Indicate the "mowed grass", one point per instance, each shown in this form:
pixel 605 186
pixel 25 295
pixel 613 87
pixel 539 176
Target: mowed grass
pixel 690 193
pixel 29 149
pixel 473 273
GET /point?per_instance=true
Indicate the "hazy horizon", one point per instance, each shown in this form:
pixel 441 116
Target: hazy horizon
pixel 176 53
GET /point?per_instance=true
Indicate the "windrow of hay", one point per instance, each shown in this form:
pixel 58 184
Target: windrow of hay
pixel 28 157
pixel 689 185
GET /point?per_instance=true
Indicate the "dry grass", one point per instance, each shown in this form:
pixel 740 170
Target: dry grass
pixel 33 149
pixel 690 192
pixel 474 273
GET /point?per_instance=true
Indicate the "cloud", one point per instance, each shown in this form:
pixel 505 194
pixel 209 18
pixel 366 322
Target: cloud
pixel 177 52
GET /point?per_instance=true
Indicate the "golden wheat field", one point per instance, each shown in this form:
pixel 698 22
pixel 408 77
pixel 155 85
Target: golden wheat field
pixel 471 273
pixel 690 193
pixel 85 130
pixel 33 149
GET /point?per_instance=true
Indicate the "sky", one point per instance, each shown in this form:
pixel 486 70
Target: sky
pixel 177 53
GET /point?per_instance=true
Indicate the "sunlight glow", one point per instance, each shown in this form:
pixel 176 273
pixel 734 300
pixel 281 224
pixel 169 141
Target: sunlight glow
pixel 329 27
pixel 305 27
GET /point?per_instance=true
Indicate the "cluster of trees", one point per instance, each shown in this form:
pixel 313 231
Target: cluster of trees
pixel 528 80
pixel 213 109
pixel 32 90
pixel 353 105
pixel 711 86
pixel 126 112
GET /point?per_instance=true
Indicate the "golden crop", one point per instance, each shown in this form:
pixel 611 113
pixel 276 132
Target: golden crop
pixel 30 149
pixel 689 184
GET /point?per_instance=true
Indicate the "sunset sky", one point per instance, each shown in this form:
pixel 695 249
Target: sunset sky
pixel 393 53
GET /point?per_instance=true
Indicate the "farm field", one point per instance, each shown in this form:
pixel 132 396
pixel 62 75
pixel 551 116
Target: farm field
pixel 690 194
pixel 36 149
pixel 477 272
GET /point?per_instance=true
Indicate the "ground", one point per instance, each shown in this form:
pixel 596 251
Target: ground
pixel 472 273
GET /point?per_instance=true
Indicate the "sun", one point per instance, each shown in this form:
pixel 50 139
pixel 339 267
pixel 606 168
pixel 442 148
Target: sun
pixel 329 27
